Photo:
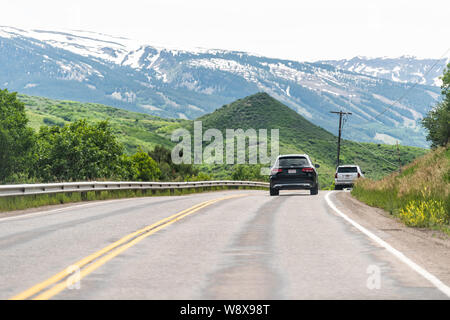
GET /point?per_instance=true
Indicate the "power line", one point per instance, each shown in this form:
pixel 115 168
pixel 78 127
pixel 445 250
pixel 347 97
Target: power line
pixel 342 124
pixel 395 102
pixel 407 91
pixel 410 88
pixel 399 160
pixel 368 150
pixel 378 156
pixel 374 154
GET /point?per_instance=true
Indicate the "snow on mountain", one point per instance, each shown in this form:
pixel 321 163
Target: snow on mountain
pixel 402 69
pixel 84 43
pixel 181 83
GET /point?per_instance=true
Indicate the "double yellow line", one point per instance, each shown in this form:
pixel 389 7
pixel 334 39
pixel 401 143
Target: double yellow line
pixel 55 284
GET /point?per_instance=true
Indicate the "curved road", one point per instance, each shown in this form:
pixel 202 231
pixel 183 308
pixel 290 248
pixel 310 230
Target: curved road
pixel 247 245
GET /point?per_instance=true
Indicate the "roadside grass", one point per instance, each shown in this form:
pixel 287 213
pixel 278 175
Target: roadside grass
pixel 419 196
pixel 34 201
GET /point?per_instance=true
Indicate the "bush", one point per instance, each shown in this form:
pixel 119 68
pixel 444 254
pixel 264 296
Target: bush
pixel 146 168
pixel 169 170
pixel 428 213
pixel 78 151
pixel 200 177
pixel 248 173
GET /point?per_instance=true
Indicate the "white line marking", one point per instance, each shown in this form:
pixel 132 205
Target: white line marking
pixel 424 273
pixel 31 215
pixel 93 203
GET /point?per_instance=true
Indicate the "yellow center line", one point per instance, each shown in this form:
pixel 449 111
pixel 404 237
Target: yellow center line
pixel 108 253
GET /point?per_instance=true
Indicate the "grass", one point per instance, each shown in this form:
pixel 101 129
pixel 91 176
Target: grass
pixel 132 129
pixel 33 201
pixel 258 111
pixel 419 195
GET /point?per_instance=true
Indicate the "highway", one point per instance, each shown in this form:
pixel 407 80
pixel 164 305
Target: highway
pixel 216 245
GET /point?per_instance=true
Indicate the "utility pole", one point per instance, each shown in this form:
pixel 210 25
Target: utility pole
pixel 399 161
pixel 340 113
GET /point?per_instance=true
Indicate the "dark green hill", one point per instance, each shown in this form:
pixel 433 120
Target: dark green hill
pixel 261 111
pixel 298 135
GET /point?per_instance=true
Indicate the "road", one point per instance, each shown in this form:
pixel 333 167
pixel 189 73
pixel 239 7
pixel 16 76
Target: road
pixel 247 245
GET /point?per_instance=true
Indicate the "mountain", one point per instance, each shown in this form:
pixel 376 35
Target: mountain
pixel 403 69
pixel 91 67
pixel 258 111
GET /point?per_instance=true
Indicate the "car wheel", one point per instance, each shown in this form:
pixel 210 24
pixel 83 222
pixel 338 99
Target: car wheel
pixel 274 192
pixel 337 188
pixel 314 191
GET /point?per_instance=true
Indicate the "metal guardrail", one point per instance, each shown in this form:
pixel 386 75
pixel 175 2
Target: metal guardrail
pixel 30 189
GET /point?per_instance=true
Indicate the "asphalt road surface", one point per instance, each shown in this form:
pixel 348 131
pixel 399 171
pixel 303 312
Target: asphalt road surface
pixel 240 245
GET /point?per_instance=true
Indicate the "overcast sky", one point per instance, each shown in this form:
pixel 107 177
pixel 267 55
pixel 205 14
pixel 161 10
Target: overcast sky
pixel 298 30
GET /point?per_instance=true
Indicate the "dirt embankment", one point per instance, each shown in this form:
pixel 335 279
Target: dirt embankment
pixel 428 248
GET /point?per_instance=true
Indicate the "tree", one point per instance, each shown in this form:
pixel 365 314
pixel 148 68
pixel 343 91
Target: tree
pixel 127 170
pixel 169 170
pixel 437 120
pixel 78 151
pixel 146 168
pixel 247 173
pixel 16 139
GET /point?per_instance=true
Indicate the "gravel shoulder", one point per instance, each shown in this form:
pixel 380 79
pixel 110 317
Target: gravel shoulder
pixel 428 248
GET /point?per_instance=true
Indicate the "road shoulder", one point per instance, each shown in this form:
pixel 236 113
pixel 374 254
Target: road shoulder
pixel 428 248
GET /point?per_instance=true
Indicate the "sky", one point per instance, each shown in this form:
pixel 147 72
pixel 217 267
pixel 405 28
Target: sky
pixel 289 29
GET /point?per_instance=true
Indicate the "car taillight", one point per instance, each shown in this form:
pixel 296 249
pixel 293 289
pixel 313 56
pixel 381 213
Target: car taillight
pixel 308 170
pixel 276 170
pixel 359 175
pixel 335 175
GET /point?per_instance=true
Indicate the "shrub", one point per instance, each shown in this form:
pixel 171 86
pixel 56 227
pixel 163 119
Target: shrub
pixel 424 213
pixel 146 168
pixel 78 151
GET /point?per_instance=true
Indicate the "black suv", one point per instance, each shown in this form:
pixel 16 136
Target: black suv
pixel 294 172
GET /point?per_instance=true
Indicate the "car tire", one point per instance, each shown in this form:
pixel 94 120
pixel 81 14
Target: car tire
pixel 314 191
pixel 274 192
pixel 337 188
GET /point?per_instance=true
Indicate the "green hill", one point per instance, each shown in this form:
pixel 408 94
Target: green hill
pixel 133 129
pixel 259 111
pixel 298 135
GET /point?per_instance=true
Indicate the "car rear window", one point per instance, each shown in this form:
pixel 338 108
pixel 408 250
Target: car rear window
pixel 347 169
pixel 293 162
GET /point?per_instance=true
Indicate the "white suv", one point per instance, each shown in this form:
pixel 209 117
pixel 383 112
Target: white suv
pixel 345 176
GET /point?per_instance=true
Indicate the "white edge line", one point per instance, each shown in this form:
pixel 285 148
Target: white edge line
pixel 93 203
pixel 38 213
pixel 424 273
